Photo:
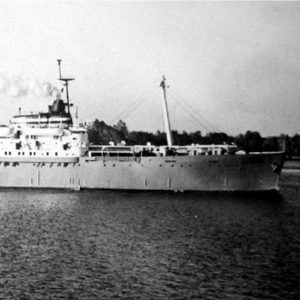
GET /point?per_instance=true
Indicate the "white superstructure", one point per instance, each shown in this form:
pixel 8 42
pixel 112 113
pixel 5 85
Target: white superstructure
pixel 49 134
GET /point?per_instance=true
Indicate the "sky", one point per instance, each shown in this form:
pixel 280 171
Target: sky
pixel 230 66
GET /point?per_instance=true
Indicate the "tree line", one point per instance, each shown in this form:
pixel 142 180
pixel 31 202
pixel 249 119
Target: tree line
pixel 101 133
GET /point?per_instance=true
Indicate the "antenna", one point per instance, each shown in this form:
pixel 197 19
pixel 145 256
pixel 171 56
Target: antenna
pixel 166 113
pixel 59 70
pixel 66 84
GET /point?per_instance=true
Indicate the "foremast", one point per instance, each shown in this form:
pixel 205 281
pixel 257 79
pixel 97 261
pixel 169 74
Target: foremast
pixel 166 113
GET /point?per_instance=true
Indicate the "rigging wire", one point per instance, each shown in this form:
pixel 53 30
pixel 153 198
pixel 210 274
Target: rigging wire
pixel 129 108
pixel 133 109
pixel 196 117
pixel 208 126
pixel 156 111
pixel 125 111
pixel 192 110
pixel 152 112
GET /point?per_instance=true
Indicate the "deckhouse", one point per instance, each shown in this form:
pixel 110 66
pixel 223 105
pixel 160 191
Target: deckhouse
pixel 46 134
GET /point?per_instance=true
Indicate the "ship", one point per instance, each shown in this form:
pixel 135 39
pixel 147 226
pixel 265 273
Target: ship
pixel 52 150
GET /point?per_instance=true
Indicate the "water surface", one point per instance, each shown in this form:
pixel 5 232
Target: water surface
pixel 111 245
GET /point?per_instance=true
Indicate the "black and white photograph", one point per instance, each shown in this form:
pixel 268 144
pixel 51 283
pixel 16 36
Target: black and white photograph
pixel 149 150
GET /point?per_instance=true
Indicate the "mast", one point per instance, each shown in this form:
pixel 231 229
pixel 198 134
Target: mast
pixel 59 70
pixel 166 113
pixel 66 84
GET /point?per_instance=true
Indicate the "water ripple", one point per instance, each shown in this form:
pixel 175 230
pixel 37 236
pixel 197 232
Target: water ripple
pixel 112 245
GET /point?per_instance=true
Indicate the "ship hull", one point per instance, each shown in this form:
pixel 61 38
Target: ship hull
pixel 253 172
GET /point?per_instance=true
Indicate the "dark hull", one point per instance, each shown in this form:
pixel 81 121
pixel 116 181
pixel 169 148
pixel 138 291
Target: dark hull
pixel 254 172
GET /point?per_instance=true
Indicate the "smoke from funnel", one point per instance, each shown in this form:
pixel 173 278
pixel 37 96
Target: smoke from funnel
pixel 19 87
